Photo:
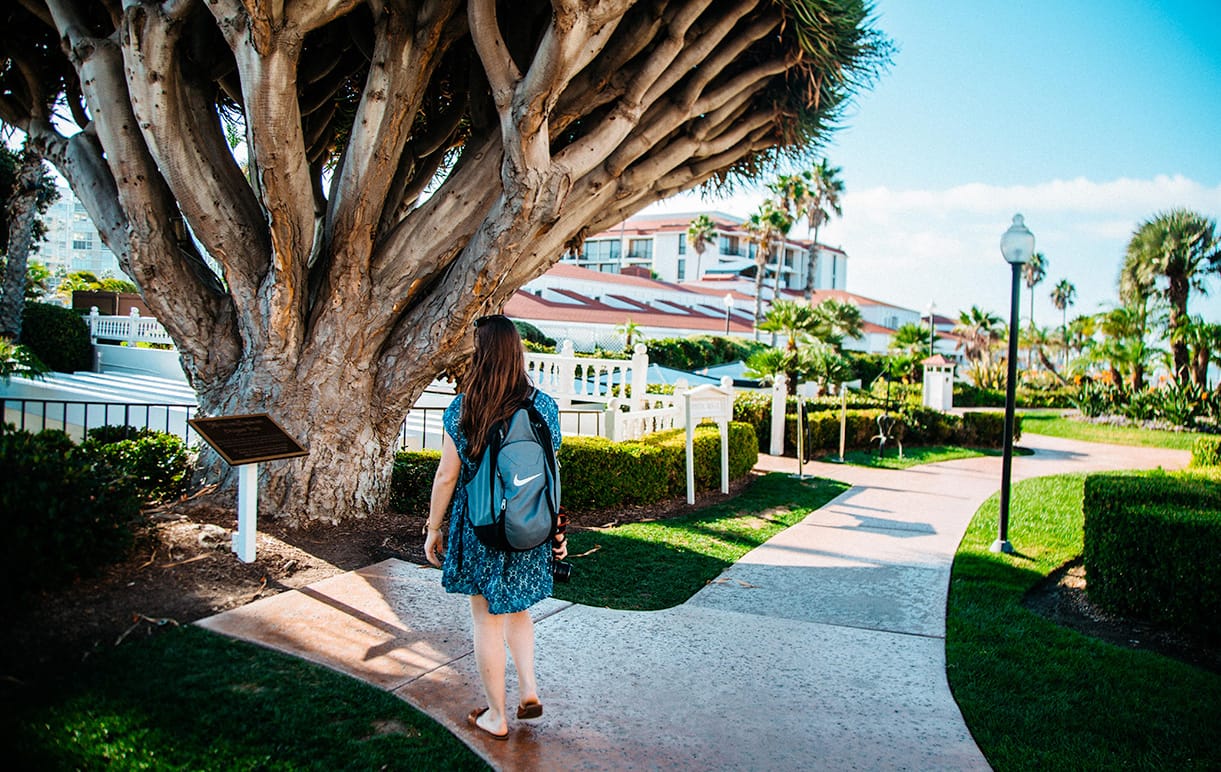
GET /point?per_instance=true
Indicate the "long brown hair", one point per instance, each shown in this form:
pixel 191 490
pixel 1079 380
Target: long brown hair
pixel 496 384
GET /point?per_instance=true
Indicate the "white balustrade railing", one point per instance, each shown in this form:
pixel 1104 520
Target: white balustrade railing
pixel 132 328
pixel 567 377
pixel 658 413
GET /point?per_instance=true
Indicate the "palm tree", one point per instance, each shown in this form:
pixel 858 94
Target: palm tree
pixel 1123 347
pixel 824 190
pixel 1201 338
pixel 1063 295
pixel 979 330
pixel 700 233
pixel 909 344
pixel 838 320
pixel 794 320
pixel 765 227
pixel 797 322
pixel 1033 273
pixel 629 330
pixel 1180 246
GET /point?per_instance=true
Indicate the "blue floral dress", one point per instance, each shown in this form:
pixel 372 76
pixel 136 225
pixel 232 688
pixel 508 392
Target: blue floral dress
pixel 511 581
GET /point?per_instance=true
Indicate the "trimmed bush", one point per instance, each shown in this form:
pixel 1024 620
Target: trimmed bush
pixel 532 334
pixel 65 513
pixel 599 473
pixel 1206 451
pixel 156 463
pixel 57 336
pixel 596 472
pixel 411 479
pixel 1150 544
pixel 699 351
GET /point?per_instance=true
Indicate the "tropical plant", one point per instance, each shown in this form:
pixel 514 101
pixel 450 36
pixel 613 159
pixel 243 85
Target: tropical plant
pixel 765 364
pixel 1034 270
pixel 16 359
pixel 986 373
pixel 36 277
pixel 766 227
pixel 700 233
pixel 979 331
pixel 794 320
pixel 1181 247
pixel 825 189
pixel 1202 339
pixel 1063 295
pixel 909 340
pixel 629 330
pixel 838 320
pixel 337 279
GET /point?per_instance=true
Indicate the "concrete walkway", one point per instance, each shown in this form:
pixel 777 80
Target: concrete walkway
pixel 821 649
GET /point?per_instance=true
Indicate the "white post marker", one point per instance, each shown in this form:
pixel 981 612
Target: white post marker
pixel 843 419
pixel 708 402
pixel 247 512
pixel 244 441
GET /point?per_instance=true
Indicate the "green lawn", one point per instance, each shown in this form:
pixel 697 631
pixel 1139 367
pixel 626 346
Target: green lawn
pixel 1054 425
pixel 671 559
pixel 915 456
pixel 193 700
pixel 1039 696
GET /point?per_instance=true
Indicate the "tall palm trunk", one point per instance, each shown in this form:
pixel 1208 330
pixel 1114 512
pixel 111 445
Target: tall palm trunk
pixel 1176 294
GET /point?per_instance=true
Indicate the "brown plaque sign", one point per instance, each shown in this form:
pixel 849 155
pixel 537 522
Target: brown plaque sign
pixel 247 439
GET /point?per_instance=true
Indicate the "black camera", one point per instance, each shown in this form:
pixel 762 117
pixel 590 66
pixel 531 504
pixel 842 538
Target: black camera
pixel 561 571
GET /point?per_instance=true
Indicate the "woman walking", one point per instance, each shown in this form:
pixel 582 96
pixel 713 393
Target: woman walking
pixel 502 585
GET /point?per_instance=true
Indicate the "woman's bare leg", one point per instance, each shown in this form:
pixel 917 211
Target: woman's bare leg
pixel 519 634
pixel 489 633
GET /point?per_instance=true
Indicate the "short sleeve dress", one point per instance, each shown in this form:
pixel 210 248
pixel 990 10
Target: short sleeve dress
pixel 510 581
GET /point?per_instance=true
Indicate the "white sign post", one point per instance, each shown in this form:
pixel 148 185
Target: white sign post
pixel 708 402
pixel 243 441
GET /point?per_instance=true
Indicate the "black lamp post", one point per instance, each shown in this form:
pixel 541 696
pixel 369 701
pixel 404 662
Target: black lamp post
pixel 1017 245
pixel 931 327
pixel 728 308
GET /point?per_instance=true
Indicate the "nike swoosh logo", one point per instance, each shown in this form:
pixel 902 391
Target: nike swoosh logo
pixel 520 482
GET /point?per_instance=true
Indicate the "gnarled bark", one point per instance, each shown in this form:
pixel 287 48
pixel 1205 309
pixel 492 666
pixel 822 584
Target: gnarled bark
pixel 340 290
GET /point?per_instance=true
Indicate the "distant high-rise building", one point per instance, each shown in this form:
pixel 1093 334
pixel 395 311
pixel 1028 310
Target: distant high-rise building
pixel 72 242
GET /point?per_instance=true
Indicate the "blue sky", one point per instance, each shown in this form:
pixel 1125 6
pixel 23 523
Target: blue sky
pixel 1087 117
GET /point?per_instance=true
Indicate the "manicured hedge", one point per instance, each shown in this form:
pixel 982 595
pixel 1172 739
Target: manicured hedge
pixel 64 511
pixel 916 425
pixel 58 336
pixel 599 473
pixel 1150 548
pixel 1206 451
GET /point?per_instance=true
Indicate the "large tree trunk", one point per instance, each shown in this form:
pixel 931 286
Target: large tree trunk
pixel 1176 295
pixel 342 290
pixel 22 211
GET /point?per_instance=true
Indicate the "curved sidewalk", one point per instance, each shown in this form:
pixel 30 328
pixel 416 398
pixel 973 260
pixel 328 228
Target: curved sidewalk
pixel 821 649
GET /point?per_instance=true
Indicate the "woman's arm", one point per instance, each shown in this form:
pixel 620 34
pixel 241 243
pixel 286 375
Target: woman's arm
pixel 443 484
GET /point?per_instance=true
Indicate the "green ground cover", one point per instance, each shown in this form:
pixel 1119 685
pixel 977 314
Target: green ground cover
pixel 1056 425
pixel 914 456
pixel 671 559
pixel 193 700
pixel 1039 696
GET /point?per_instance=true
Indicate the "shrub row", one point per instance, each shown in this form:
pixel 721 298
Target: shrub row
pixel 1179 404
pixel 915 424
pixel 699 351
pixel 65 511
pixel 599 473
pixel 1150 543
pixel 58 336
pixel 69 509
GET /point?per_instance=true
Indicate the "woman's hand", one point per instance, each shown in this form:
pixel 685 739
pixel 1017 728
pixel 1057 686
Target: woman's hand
pixel 559 551
pixel 434 547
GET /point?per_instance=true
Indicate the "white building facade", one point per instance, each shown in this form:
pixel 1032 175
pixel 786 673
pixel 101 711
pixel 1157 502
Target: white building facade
pixel 72 242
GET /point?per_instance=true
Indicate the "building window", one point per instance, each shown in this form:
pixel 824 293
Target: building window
pixel 682 243
pixel 750 250
pixel 729 245
pixel 82 241
pixel 602 250
pixel 682 268
pixel 640 249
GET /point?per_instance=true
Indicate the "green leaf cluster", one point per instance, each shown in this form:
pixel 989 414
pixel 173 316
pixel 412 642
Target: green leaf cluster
pixel 157 463
pixel 58 336
pixel 65 511
pixel 1149 548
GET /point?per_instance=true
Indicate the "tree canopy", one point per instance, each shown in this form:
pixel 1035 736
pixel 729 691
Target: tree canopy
pixel 400 167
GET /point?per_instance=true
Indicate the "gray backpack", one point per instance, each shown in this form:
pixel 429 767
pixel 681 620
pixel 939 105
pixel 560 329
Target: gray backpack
pixel 513 499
